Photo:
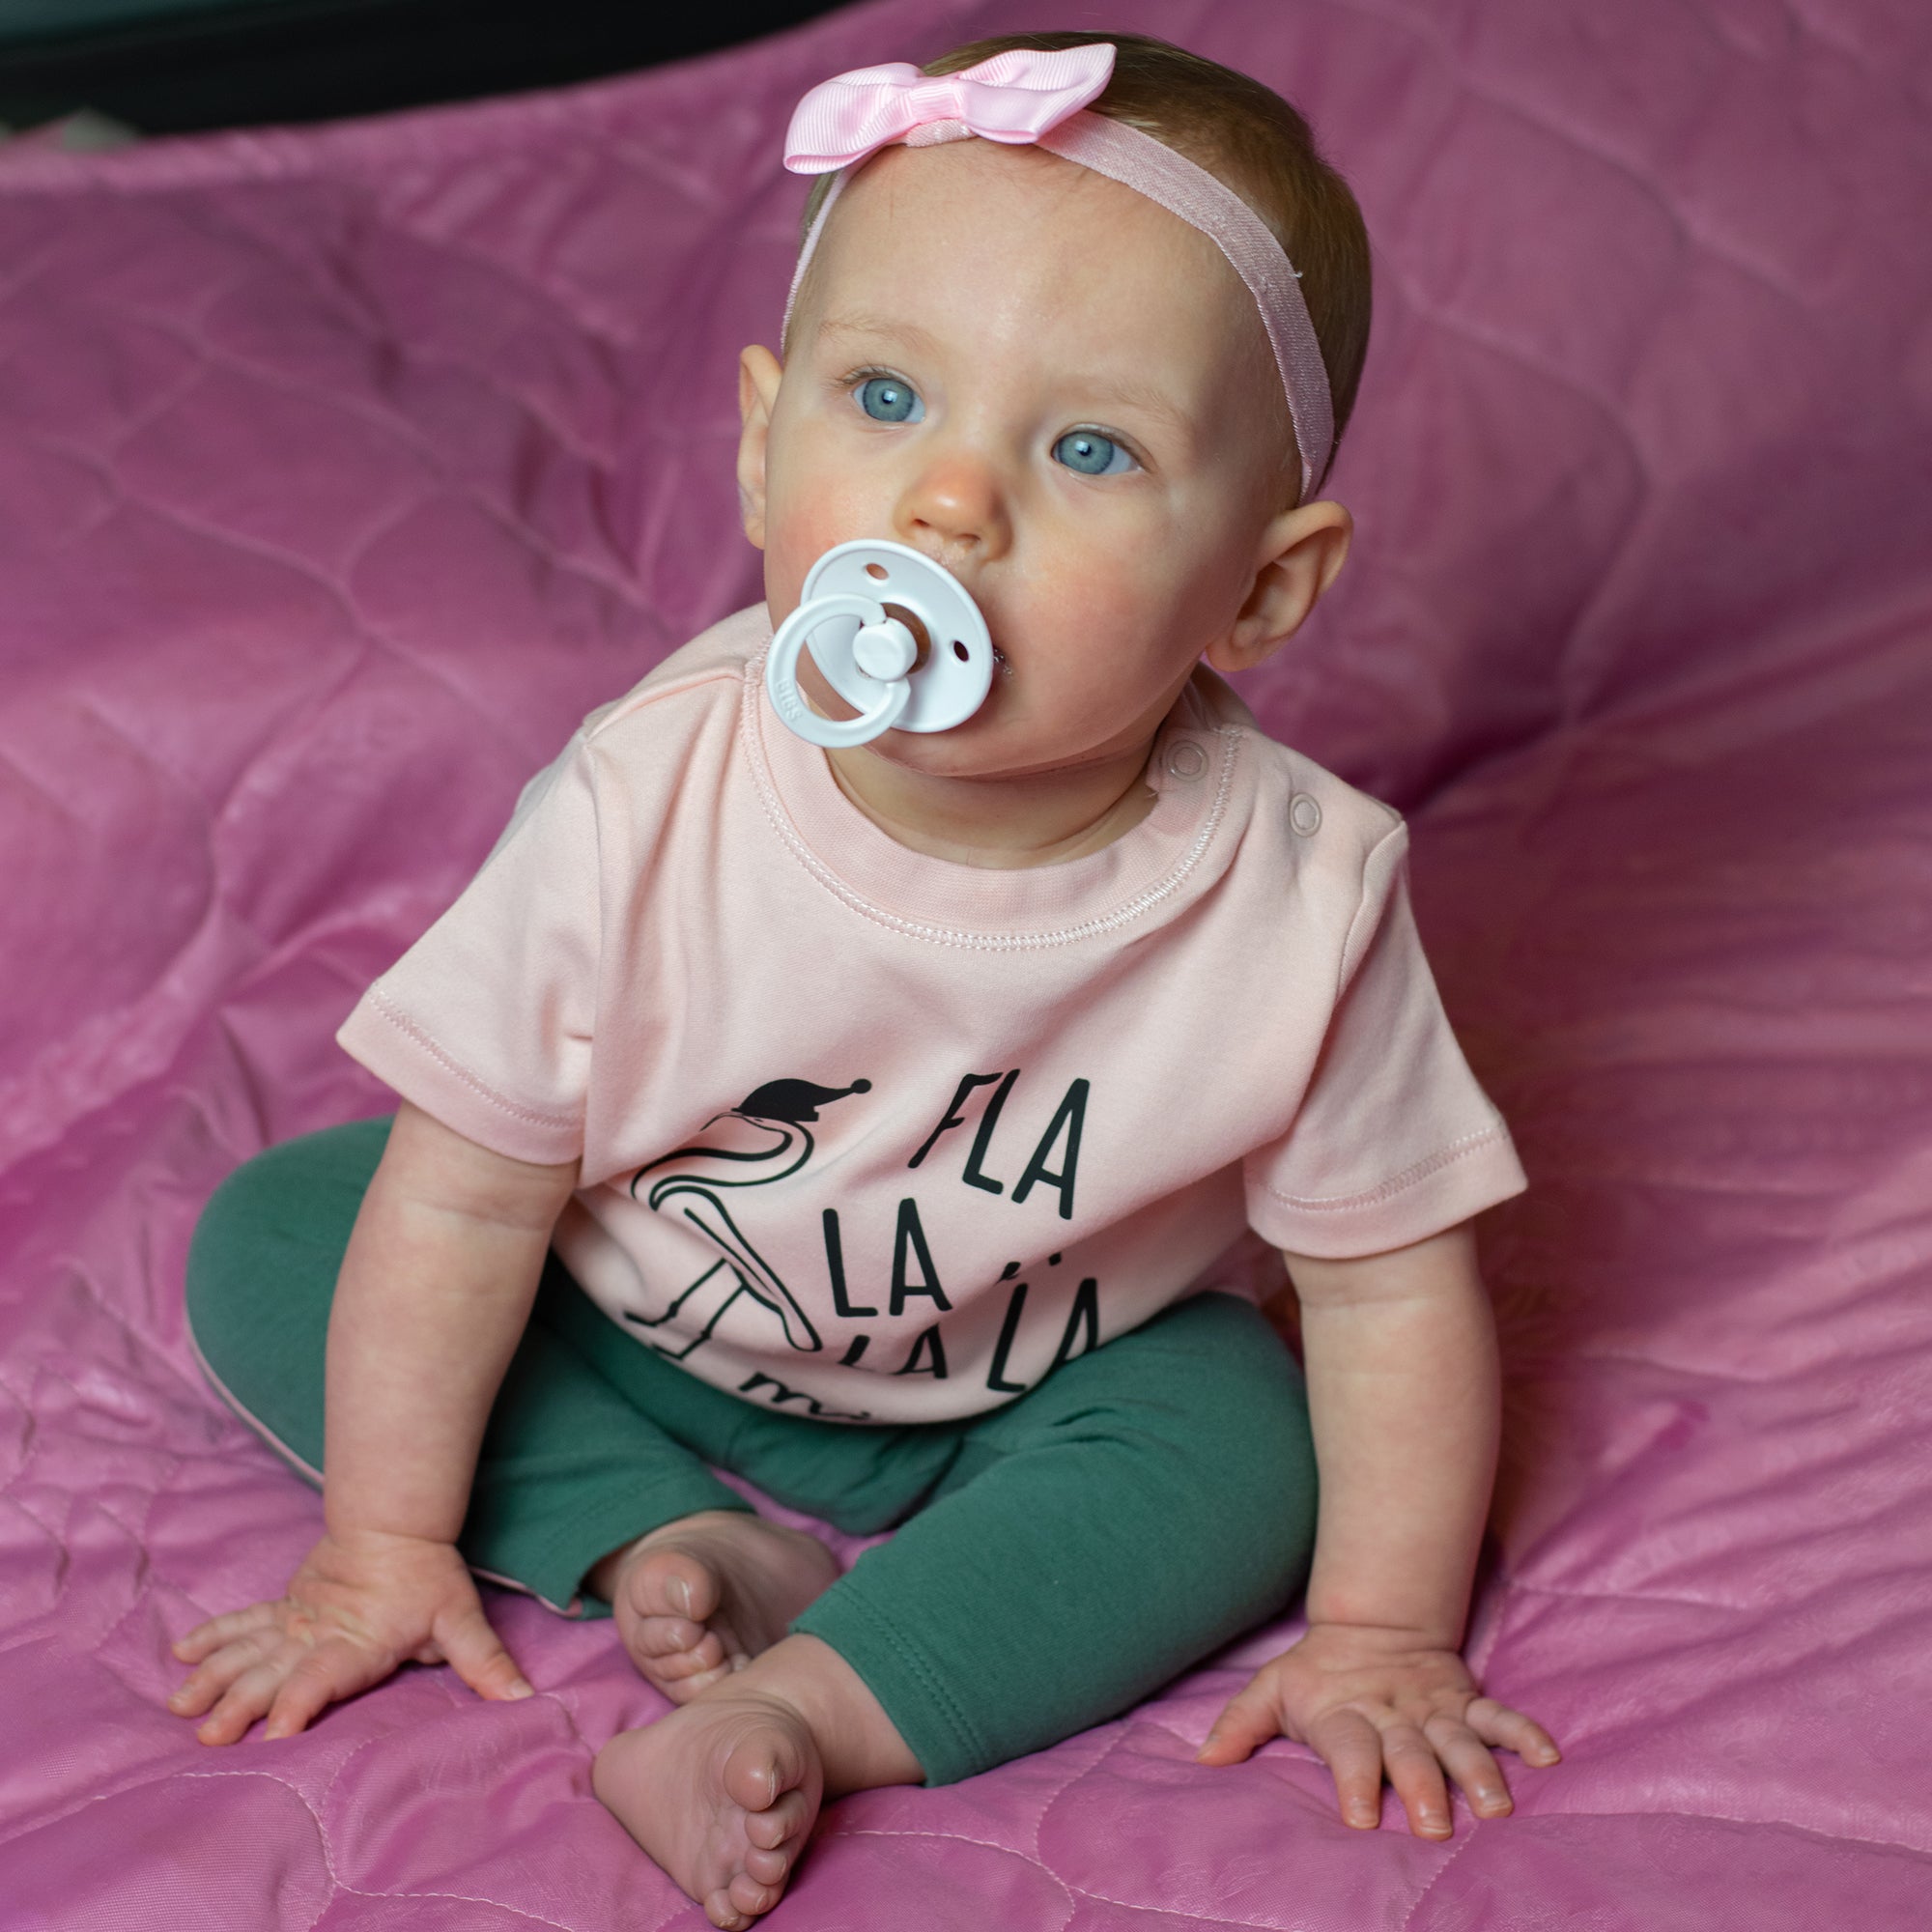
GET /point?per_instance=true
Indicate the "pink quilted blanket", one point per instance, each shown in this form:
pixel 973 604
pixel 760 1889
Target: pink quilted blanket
pixel 342 470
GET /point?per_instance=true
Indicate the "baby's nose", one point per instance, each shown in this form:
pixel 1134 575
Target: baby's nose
pixel 954 507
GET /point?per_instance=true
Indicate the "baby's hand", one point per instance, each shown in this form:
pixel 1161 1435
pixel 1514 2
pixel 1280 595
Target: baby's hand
pixel 1366 1699
pixel 360 1606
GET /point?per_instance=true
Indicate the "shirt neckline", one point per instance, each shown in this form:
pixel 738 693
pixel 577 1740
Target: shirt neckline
pixel 1203 789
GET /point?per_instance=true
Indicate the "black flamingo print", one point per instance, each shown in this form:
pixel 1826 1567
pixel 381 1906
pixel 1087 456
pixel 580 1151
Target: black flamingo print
pixel 784 1107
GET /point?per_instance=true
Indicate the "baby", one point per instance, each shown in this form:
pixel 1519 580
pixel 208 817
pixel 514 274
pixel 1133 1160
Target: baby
pixel 876 1123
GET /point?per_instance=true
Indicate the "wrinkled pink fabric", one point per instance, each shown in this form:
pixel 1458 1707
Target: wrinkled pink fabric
pixel 342 470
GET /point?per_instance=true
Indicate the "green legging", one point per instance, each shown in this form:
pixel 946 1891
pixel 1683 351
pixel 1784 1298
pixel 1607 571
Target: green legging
pixel 1058 1559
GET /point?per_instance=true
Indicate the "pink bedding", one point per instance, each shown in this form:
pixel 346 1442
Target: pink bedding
pixel 341 470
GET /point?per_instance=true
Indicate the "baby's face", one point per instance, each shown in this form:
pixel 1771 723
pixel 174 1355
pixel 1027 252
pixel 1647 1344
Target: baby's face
pixel 1060 393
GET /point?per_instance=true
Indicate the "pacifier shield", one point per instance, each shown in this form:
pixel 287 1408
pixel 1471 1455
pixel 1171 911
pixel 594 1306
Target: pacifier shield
pixel 854 637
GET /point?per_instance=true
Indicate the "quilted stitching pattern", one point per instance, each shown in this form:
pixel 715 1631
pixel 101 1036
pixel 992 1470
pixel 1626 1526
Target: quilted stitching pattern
pixel 343 471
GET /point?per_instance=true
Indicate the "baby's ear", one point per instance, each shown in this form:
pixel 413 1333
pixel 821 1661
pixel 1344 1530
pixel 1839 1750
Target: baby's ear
pixel 758 375
pixel 1300 554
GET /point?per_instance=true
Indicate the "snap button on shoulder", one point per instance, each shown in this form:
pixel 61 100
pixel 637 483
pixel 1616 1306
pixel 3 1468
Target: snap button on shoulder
pixel 1304 814
pixel 1185 759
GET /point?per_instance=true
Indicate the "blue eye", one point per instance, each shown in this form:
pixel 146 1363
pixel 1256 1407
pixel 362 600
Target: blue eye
pixel 1091 454
pixel 887 400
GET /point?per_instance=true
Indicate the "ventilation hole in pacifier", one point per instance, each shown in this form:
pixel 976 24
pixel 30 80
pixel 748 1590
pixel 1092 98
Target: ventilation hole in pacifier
pixel 877 572
pixel 922 637
pixel 960 652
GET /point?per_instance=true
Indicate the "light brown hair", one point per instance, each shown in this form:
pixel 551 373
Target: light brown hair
pixel 1249 138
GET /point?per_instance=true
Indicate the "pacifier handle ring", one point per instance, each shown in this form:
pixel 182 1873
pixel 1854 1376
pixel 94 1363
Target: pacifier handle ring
pixel 788 701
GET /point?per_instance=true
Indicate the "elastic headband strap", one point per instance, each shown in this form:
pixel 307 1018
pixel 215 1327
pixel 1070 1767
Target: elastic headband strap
pixel 1152 168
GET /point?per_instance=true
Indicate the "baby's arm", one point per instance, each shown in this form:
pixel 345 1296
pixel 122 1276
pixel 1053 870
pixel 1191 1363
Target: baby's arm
pixel 434 1292
pixel 1404 1399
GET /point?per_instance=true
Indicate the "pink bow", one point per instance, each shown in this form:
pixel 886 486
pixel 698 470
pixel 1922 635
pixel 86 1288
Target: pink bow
pixel 1014 96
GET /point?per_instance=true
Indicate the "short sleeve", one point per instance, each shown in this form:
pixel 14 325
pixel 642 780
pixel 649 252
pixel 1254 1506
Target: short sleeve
pixel 1394 1140
pixel 485 1022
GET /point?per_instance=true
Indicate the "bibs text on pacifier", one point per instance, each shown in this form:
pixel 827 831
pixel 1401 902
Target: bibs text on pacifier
pixel 894 634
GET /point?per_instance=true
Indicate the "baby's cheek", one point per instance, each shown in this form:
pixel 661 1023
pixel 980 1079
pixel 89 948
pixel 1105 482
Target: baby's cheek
pixel 1092 612
pixel 801 528
pixel 791 548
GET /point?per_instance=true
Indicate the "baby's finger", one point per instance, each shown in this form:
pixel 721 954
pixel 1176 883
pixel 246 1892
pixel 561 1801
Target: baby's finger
pixel 1251 1719
pixel 1352 1748
pixel 217 1631
pixel 1497 1724
pixel 215 1674
pixel 477 1655
pixel 325 1676
pixel 1418 1777
pixel 245 1701
pixel 1468 1762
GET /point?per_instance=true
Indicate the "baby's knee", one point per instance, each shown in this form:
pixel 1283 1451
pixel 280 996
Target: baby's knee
pixel 265 1251
pixel 239 1245
pixel 1241 1374
pixel 225 1272
pixel 1243 1430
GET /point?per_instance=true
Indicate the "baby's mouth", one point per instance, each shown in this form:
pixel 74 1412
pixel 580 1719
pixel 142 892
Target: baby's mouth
pixel 1000 663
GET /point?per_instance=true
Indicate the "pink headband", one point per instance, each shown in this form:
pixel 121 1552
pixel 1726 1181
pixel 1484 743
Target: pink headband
pixel 1023 97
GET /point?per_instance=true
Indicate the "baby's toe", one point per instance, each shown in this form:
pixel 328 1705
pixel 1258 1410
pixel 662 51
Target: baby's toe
pixel 769 1830
pixel 679 1656
pixel 768 1867
pixel 682 1649
pixel 684 1689
pixel 664 1637
pixel 750 1896
pixel 721 1912
pixel 672 1583
pixel 708 1660
pixel 762 1776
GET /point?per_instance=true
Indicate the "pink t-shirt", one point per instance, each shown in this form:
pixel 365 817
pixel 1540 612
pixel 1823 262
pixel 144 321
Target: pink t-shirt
pixel 876 1136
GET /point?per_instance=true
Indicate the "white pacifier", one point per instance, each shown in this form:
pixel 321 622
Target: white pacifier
pixel 894 634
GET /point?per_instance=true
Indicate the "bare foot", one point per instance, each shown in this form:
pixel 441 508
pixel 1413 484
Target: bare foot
pixel 723 1794
pixel 701 1597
